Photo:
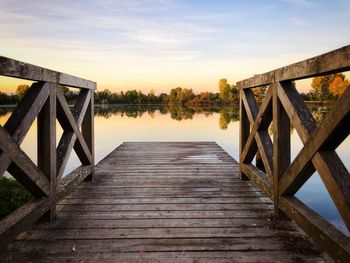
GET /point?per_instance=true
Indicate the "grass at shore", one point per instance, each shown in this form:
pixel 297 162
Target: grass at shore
pixel 12 196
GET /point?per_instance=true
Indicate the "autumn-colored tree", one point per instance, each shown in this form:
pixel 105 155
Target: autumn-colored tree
pixel 21 91
pixel 320 86
pixel 259 93
pixel 225 90
pixel 339 84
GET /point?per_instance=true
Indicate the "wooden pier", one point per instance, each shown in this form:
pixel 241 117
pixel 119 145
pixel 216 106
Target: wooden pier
pixel 164 202
pixel 176 201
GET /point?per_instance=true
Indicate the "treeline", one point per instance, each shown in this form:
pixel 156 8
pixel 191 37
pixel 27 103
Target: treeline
pixel 324 88
pixel 227 94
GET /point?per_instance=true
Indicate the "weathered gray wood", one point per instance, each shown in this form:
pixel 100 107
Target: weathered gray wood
pixel 332 62
pixel 262 122
pixel 154 232
pixel 330 167
pixel 87 129
pixel 68 122
pixel 262 138
pixel 318 152
pixel 47 145
pixel 21 219
pixel 210 211
pixel 164 207
pixel 281 146
pixel 209 245
pixel 331 132
pixel 69 137
pixel 259 178
pixel 14 68
pixel 23 116
pixel 160 223
pixel 244 129
pixel 165 200
pixel 72 180
pixel 24 170
pixel 325 234
pixel 242 255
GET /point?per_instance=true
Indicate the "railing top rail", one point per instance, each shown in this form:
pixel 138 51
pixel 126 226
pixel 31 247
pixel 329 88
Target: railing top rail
pixel 17 69
pixel 328 63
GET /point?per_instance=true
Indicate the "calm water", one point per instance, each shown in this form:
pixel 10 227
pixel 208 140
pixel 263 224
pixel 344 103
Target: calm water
pixel 116 125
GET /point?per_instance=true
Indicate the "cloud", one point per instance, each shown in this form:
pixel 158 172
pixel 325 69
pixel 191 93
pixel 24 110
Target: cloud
pixel 297 21
pixel 299 2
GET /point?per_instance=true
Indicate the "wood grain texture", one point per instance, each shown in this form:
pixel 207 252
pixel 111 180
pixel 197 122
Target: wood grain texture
pixel 14 68
pixel 332 62
pixel 187 199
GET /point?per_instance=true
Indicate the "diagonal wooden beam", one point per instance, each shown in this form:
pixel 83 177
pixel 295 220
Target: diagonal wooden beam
pixel 23 116
pixel 332 171
pixel 262 137
pixel 27 173
pixel 258 177
pixel 69 137
pixel 332 131
pixel 262 122
pixel 327 236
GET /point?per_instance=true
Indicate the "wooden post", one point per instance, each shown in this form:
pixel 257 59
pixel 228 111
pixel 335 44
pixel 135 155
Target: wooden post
pixel 244 130
pixel 281 146
pixel 87 129
pixel 47 146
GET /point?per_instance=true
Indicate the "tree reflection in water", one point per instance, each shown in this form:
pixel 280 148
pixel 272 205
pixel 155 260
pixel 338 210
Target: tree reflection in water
pixel 176 112
pixel 227 114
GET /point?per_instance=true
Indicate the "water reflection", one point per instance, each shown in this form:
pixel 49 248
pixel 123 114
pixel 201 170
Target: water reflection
pixel 117 124
pixel 227 114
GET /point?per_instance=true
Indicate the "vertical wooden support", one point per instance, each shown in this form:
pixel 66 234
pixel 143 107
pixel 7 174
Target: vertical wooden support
pixel 87 129
pixel 281 145
pixel 47 146
pixel 244 129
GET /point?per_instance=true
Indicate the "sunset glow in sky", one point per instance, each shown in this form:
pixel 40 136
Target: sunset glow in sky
pixel 162 44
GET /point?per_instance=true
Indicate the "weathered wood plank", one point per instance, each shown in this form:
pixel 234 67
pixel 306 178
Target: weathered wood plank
pixel 23 169
pixel 88 131
pixel 47 145
pixel 143 245
pixel 169 207
pixel 14 68
pixel 23 116
pixel 325 234
pixel 21 219
pixel 172 222
pixel 154 232
pixel 262 137
pixel 68 122
pixel 244 255
pixel 166 200
pixel 163 207
pixel 69 137
pixel 332 62
pixel 281 147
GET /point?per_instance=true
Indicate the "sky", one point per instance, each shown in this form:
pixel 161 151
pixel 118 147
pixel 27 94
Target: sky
pixel 163 44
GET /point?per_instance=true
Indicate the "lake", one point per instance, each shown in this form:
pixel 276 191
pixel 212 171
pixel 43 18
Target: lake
pixel 117 124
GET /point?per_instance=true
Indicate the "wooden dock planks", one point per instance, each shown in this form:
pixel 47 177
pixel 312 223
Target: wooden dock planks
pixel 163 202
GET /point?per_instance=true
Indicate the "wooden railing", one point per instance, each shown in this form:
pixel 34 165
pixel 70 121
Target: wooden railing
pixel 45 101
pixel 274 172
